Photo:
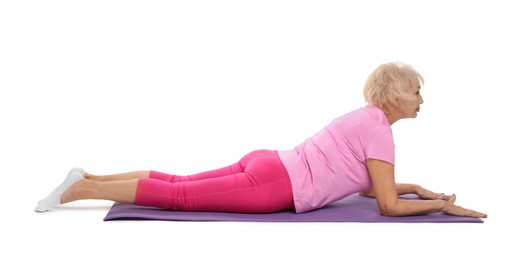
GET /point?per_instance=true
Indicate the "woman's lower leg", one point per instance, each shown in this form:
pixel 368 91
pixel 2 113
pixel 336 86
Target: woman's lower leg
pixel 119 191
pixel 118 177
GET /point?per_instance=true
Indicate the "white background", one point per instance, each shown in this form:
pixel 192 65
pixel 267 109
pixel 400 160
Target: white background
pixel 187 86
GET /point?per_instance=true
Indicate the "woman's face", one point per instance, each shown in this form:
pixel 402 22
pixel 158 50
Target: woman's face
pixel 409 104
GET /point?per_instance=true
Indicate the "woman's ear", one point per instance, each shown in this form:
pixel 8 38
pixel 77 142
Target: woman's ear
pixel 396 102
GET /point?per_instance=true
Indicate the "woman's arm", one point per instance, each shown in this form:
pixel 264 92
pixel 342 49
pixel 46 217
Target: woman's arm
pixel 386 193
pixel 402 188
pixel 406 188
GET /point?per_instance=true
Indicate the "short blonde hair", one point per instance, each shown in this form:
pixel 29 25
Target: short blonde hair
pixel 390 81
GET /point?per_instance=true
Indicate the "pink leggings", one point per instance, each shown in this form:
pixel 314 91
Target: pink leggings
pixel 258 183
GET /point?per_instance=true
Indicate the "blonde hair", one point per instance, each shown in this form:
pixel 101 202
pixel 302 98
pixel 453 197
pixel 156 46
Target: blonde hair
pixel 390 81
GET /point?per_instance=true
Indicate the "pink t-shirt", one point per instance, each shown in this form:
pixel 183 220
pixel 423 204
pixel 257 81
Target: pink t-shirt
pixel 333 163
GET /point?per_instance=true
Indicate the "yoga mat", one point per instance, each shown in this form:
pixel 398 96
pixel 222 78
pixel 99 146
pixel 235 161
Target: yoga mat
pixel 355 208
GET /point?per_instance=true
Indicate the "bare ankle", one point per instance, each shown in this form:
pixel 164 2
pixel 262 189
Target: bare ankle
pixel 88 176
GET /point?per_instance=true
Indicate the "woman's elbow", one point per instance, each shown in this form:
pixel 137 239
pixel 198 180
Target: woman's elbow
pixel 389 210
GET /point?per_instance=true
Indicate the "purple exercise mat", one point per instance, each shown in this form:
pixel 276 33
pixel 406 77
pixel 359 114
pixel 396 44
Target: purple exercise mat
pixel 355 208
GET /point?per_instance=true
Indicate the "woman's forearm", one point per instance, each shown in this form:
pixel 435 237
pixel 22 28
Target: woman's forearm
pixel 402 188
pixel 405 188
pixel 414 207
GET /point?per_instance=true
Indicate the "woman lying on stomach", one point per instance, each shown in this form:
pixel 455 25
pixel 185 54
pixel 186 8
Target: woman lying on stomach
pixel 353 154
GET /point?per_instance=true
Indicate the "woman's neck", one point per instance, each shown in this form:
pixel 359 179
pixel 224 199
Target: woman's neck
pixel 391 119
pixel 391 116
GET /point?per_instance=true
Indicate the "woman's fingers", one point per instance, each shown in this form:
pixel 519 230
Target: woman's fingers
pixel 471 213
pixel 453 209
pixel 446 197
pixel 426 194
pixel 452 198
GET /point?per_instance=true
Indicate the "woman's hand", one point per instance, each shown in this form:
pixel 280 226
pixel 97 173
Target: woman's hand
pixel 429 195
pixel 451 209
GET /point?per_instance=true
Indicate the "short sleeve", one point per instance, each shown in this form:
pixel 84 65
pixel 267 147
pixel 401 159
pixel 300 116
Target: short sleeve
pixel 379 144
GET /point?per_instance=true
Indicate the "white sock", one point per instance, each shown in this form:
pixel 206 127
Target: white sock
pixel 54 199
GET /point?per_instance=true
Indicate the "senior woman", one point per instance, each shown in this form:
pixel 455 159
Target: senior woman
pixel 353 154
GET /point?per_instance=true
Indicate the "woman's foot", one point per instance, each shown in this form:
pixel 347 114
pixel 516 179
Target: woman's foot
pixel 54 198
